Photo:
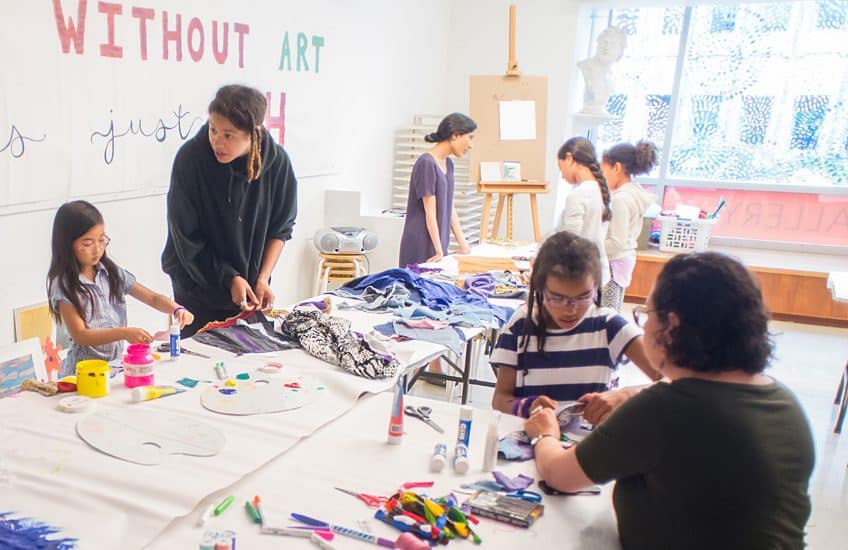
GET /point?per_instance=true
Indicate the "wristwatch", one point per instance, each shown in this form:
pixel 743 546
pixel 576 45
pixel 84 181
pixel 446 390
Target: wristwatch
pixel 538 438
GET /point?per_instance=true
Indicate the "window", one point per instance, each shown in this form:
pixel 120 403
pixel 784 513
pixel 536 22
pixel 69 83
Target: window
pixel 748 98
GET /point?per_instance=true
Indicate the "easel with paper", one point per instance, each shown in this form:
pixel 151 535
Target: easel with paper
pixel 508 157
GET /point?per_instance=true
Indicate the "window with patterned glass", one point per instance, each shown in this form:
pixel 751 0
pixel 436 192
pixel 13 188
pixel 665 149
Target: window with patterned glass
pixel 761 91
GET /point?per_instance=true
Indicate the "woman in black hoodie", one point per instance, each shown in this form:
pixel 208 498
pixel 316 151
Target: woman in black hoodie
pixel 231 206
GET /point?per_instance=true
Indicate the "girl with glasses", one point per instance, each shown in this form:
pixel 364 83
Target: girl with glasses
pixel 87 290
pixel 561 346
pixel 718 457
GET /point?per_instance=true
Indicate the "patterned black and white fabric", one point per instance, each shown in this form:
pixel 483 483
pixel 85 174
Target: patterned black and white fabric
pixel 330 339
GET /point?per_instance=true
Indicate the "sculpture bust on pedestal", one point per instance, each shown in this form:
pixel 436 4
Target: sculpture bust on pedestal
pixel 596 70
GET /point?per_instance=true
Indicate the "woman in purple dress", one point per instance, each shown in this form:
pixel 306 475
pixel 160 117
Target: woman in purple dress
pixel 430 216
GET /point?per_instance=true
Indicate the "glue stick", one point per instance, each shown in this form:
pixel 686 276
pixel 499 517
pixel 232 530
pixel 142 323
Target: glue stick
pixel 174 340
pixel 460 459
pixel 396 421
pixel 439 458
pixel 463 434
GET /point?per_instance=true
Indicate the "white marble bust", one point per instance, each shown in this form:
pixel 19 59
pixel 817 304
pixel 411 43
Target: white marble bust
pixel 596 70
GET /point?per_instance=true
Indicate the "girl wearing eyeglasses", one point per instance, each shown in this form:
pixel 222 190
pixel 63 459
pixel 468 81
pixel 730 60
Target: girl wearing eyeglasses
pixel 561 346
pixel 87 290
pixel 718 457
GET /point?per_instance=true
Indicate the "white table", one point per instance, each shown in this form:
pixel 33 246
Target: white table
pixel 48 473
pixel 352 453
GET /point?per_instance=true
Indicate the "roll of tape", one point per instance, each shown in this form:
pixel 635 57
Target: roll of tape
pixel 76 404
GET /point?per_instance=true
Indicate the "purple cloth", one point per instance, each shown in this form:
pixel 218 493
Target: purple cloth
pixel 516 483
pixel 482 285
pixel 419 270
pixel 427 180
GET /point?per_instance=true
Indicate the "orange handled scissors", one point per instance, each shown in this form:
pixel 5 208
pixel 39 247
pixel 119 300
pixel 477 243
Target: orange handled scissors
pixel 372 501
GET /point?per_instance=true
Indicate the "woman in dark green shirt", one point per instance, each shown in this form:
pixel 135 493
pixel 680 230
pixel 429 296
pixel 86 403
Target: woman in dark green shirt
pixel 720 456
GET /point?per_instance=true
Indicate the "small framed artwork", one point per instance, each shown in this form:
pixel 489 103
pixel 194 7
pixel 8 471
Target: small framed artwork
pixel 18 362
pixel 511 170
pixel 490 171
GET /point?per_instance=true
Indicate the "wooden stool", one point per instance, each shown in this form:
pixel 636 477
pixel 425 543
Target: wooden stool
pixel 506 190
pixel 339 268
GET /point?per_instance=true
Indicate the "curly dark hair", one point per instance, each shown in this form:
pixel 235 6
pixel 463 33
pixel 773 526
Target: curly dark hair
pixel 723 321
pixel 566 256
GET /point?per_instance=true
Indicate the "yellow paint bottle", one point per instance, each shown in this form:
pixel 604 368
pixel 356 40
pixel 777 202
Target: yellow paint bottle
pixel 93 378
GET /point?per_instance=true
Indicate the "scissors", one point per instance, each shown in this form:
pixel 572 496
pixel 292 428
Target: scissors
pixel 523 494
pixel 423 413
pixel 372 501
pixel 567 413
pixel 166 347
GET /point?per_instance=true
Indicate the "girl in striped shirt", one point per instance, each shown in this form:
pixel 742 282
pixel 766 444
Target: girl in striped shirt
pixel 561 345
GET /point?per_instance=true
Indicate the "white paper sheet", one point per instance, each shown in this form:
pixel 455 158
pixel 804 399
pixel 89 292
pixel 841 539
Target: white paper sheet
pixel 517 120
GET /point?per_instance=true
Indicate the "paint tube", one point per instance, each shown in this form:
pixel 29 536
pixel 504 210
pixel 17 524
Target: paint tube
pixel 146 393
pixel 396 421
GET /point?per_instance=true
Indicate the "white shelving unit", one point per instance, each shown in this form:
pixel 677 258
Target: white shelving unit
pixel 409 145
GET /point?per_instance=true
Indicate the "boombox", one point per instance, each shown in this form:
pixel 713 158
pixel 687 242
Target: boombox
pixel 345 240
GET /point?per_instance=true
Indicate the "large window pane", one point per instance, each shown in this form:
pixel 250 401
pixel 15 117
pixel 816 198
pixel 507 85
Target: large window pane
pixel 644 77
pixel 763 95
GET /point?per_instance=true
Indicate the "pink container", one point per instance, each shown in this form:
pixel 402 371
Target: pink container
pixel 138 366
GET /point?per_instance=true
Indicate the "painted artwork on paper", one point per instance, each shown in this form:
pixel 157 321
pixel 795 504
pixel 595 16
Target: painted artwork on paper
pixel 16 532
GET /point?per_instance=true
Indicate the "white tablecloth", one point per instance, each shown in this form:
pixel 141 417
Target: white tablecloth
pixel 352 453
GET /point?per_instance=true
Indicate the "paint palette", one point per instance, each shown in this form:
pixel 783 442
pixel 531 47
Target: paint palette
pixel 261 395
pixel 147 436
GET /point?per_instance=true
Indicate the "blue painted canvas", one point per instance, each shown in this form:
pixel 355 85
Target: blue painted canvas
pixel 13 372
pixel 31 533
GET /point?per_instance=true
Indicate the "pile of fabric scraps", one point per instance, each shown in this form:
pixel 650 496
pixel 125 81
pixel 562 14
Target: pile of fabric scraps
pixel 501 483
pixel 399 289
pixel 330 339
pixel 516 445
pixel 437 521
pixel 427 330
pixel 247 332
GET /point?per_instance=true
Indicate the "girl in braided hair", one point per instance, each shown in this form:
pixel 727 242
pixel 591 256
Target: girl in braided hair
pixel 231 206
pixel 587 207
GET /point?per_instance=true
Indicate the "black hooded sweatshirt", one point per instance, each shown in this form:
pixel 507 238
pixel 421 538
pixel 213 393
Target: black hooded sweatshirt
pixel 219 224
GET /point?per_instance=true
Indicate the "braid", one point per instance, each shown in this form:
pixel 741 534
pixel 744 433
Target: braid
pixel 254 159
pixel 605 194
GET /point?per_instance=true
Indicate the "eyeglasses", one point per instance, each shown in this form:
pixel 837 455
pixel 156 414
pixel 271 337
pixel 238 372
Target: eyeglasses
pixel 640 315
pixel 102 242
pixel 565 301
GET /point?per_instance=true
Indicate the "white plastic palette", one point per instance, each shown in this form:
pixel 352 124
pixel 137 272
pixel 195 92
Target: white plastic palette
pixel 147 436
pixel 262 395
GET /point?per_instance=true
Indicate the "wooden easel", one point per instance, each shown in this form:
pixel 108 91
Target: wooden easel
pixel 486 92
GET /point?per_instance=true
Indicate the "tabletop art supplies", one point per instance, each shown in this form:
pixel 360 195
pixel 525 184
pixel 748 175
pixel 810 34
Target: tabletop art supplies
pixel 146 393
pixel 395 436
pixel 93 378
pixel 437 521
pixel 510 509
pixel 439 458
pixel 423 413
pixel 76 404
pixel 463 436
pixel 490 455
pixel 242 396
pixel 174 339
pixel 44 388
pixel 138 366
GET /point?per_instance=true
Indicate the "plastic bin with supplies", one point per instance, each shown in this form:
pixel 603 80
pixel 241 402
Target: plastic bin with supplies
pixel 681 235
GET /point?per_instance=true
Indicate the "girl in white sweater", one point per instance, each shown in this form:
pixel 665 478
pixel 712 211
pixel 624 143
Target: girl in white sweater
pixel 619 164
pixel 587 205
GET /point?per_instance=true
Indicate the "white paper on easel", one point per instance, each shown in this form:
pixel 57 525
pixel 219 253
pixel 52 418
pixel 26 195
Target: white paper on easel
pixel 517 120
pixel 147 436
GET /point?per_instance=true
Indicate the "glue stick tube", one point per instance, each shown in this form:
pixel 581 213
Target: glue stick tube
pixel 463 434
pixel 460 459
pixel 439 458
pixel 146 393
pixel 396 421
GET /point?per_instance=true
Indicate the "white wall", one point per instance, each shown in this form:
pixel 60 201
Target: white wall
pixel 387 77
pixel 547 36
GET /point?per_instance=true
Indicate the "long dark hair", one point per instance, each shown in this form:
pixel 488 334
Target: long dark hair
pixel 73 220
pixel 566 256
pixel 583 152
pixel 245 108
pixel 636 159
pixel 723 321
pixel 454 123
